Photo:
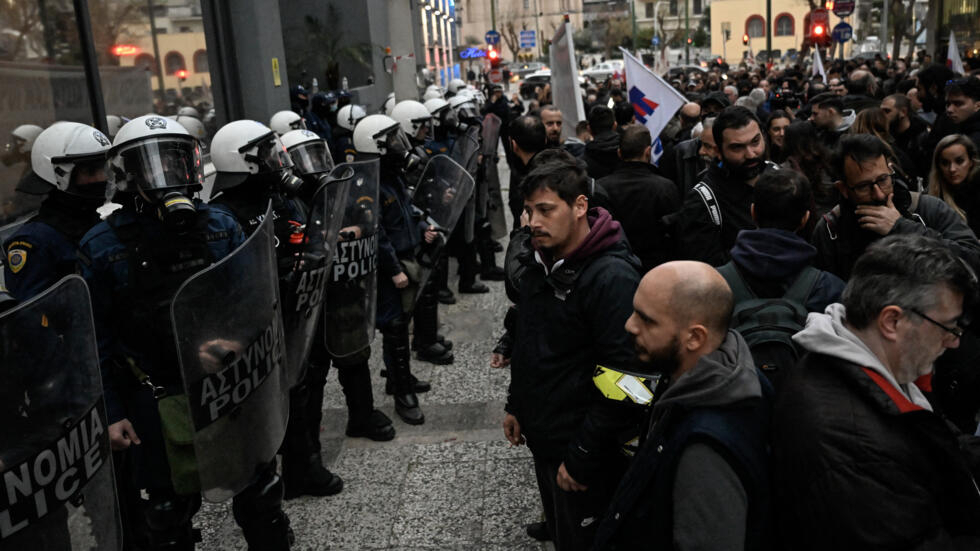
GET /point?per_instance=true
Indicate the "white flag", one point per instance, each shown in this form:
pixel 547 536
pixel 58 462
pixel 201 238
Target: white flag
pixel 818 65
pixel 654 101
pixel 953 60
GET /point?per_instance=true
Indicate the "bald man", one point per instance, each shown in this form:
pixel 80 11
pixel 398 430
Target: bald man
pixel 700 481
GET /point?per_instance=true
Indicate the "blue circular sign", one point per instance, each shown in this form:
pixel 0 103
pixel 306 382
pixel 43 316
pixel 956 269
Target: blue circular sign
pixel 842 32
pixel 492 37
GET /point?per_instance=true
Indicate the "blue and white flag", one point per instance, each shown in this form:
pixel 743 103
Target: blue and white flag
pixel 654 101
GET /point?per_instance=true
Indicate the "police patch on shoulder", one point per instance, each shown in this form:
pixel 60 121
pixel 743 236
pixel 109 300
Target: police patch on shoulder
pixel 156 123
pixel 16 258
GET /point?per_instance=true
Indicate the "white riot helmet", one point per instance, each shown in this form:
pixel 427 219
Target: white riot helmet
pixel 194 126
pixel 349 115
pixel 455 85
pixel 382 135
pixel 439 109
pixel 431 93
pixel 59 151
pixel 388 105
pixel 243 148
pixel 285 121
pixel 21 140
pixel 412 116
pixel 308 151
pixel 157 158
pixel 465 106
pixel 188 111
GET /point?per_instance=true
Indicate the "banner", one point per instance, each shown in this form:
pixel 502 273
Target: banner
pixel 565 90
pixel 953 60
pixel 818 65
pixel 654 101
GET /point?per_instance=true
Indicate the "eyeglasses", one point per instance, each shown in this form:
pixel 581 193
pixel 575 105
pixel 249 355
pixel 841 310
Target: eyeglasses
pixel 883 182
pixel 955 331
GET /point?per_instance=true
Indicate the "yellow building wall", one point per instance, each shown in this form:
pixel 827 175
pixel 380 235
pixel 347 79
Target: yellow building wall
pixel 184 43
pixel 736 14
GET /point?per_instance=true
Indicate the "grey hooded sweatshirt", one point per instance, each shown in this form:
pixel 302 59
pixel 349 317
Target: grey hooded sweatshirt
pixel 704 479
pixel 826 334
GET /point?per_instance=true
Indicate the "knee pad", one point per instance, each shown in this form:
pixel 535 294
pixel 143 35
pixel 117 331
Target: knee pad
pixel 169 521
pixel 354 361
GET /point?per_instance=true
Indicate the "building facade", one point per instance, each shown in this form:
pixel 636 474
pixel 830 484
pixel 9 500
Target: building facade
pixel 476 17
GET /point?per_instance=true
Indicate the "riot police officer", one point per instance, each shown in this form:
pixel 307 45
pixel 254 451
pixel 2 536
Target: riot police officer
pixel 312 161
pixel 286 121
pixel 253 169
pixel 382 137
pixel 68 162
pixel 322 105
pixel 134 262
pixel 415 121
pixel 343 132
pixel 17 151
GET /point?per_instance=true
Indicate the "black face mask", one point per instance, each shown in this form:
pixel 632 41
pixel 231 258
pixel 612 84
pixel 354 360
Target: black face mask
pixel 290 184
pixel 175 209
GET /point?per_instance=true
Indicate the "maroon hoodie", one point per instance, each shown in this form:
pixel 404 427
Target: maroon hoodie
pixel 604 232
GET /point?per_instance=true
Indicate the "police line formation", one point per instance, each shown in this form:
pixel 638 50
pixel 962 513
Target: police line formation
pixel 176 346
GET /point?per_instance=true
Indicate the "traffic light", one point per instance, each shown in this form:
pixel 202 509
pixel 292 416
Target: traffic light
pixel 829 4
pixel 494 56
pixel 745 39
pixel 818 30
pixel 690 40
pixel 182 75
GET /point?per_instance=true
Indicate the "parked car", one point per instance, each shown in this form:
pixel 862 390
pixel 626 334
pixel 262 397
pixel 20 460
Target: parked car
pixel 520 70
pixel 602 71
pixel 532 81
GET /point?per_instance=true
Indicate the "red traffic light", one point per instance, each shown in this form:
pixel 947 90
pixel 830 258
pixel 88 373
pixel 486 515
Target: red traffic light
pixel 745 38
pixel 818 30
pixel 689 40
pixel 493 55
pixel 829 4
pixel 181 74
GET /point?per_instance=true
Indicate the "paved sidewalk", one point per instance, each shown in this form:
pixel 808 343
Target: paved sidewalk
pixel 452 483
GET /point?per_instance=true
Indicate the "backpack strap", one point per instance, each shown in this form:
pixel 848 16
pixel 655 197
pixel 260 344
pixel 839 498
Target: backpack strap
pixel 710 203
pixel 740 290
pixel 803 287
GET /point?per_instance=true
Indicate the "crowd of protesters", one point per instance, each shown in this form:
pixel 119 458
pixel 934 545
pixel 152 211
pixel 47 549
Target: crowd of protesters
pixel 759 336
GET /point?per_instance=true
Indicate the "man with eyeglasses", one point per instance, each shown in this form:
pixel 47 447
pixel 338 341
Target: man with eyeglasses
pixel 860 459
pixel 874 203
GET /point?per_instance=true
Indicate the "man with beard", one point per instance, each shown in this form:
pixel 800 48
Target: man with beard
pixel 700 480
pixel 909 131
pixel 830 118
pixel 874 203
pixel 573 277
pixel 551 117
pixel 861 461
pixel 718 206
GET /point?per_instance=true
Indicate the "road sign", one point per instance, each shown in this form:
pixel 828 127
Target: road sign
pixel 493 38
pixel 843 8
pixel 527 39
pixel 496 76
pixel 655 41
pixel 843 32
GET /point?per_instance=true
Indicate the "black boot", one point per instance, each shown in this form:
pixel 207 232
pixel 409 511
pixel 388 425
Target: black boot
pixel 362 419
pixel 397 356
pixel 441 277
pixel 310 478
pixel 258 512
pixel 426 338
pixel 467 274
pixel 489 270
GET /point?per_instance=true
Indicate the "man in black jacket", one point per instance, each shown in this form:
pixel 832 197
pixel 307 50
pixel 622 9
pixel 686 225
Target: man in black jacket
pixel 700 480
pixel 639 198
pixel 574 278
pixel 963 106
pixel 718 206
pixel 602 153
pixel 527 138
pixel 860 459
pixel 909 130
pixel 874 204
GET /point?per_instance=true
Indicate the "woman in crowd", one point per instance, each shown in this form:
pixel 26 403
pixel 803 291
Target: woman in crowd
pixel 806 154
pixel 775 133
pixel 955 177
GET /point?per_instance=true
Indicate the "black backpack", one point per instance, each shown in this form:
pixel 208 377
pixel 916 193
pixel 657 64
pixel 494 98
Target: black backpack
pixel 768 324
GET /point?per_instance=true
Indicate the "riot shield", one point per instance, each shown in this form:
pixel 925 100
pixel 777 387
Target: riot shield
pixel 56 480
pixel 441 195
pixel 488 167
pixel 349 311
pixel 228 329
pixel 303 288
pixel 466 152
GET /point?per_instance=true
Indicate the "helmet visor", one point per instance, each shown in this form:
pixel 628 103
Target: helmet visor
pixel 468 111
pixel 160 163
pixel 268 153
pixel 397 144
pixel 311 157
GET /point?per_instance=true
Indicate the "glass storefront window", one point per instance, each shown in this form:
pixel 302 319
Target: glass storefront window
pixel 41 81
pixel 153 59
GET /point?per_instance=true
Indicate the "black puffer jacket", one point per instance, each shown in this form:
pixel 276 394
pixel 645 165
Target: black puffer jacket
pixel 859 464
pixel 569 321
